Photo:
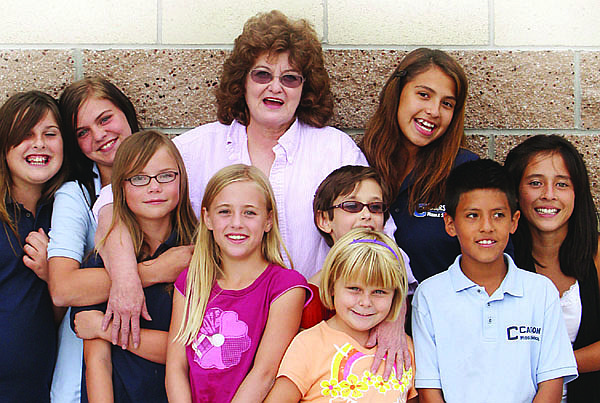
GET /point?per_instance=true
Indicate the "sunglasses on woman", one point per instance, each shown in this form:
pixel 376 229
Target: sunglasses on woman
pixel 357 207
pixel 143 180
pixel 288 80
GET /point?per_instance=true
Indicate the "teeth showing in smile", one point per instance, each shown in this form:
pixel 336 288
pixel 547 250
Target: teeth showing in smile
pixel 37 159
pixel 236 237
pixel 275 100
pixel 485 242
pixel 105 146
pixel 542 210
pixel 425 124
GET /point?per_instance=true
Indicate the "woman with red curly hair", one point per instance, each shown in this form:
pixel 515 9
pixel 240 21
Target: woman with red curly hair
pixel 274 101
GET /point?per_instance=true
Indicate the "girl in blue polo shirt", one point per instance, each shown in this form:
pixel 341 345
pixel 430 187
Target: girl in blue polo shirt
pixel 31 156
pixel 150 190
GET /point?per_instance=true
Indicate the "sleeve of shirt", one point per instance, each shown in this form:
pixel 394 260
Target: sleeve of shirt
pixel 105 198
pixel 70 221
pixel 427 368
pixel 286 279
pixel 389 229
pixel 181 281
pixel 556 357
pixel 296 362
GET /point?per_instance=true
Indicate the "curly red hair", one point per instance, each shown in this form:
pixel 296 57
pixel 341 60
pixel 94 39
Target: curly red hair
pixel 275 33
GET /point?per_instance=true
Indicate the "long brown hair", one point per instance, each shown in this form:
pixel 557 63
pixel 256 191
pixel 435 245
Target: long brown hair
pixel 72 98
pixel 382 143
pixel 18 116
pixel 132 156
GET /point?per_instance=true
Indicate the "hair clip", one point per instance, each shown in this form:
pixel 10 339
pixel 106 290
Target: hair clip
pixel 377 242
pixel 400 73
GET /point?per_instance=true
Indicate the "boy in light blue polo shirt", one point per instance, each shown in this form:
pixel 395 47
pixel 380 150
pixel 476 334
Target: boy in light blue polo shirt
pixel 485 330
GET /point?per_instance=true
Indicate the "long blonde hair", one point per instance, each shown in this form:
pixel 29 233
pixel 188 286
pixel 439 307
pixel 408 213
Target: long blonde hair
pixel 206 261
pixel 132 156
pixel 367 256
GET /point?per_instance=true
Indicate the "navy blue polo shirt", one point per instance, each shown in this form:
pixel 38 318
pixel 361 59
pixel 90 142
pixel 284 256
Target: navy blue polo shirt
pixel 136 379
pixel 422 234
pixel 27 329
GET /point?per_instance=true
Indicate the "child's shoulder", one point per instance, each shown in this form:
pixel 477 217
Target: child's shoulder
pixel 437 283
pixel 290 276
pixel 279 280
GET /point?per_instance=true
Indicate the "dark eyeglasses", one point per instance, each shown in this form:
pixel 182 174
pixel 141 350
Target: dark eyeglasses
pixel 288 80
pixel 357 207
pixel 143 180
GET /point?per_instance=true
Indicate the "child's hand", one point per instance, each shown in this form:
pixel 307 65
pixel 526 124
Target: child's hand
pixel 36 248
pixel 176 259
pixel 88 325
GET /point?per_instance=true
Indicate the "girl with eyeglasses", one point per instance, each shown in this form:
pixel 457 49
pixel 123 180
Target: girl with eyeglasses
pixel 97 116
pixel 150 192
pixel 273 104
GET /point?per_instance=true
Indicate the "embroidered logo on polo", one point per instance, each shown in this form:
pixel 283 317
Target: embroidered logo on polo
pixel 437 212
pixel 221 340
pixel 531 333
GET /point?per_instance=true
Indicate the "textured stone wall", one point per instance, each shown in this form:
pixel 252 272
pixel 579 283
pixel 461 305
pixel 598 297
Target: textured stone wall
pixel 533 67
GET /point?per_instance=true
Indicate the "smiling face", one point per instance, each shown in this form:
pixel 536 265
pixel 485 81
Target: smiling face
pixel 546 193
pixel 359 308
pixel 366 191
pixel 272 106
pixel 154 201
pixel 426 107
pixel 483 223
pixel 39 157
pixel 101 127
pixel 238 219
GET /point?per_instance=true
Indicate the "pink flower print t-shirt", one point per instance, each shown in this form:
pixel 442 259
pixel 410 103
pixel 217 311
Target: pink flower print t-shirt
pixel 222 354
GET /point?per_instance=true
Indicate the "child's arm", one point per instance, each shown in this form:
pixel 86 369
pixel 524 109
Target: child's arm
pixel 70 286
pixel 35 257
pixel 549 391
pixel 431 396
pixel 282 325
pixel 98 370
pixel 588 357
pixel 126 300
pixel 284 391
pixel 177 373
pixel 390 339
pixel 153 345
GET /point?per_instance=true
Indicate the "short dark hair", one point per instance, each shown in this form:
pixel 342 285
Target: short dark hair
pixel 478 174
pixel 342 182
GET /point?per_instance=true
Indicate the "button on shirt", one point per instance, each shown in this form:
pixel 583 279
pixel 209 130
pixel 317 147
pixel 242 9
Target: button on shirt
pixel 304 156
pixel 481 348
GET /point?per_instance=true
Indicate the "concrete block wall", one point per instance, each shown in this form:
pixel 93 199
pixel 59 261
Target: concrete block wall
pixel 533 66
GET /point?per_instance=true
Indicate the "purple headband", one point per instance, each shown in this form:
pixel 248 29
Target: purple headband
pixel 378 243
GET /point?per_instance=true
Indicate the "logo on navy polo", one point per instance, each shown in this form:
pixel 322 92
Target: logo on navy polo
pixel 437 212
pixel 523 333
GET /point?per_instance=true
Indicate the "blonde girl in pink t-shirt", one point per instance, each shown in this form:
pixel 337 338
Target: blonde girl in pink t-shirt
pixel 236 309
